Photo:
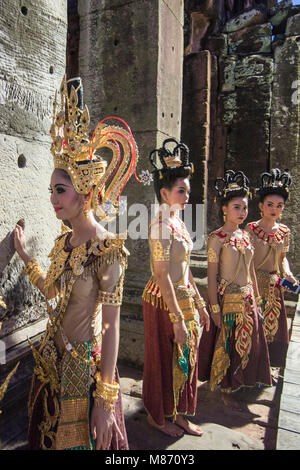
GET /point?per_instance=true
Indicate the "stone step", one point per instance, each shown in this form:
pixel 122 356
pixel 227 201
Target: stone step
pixel 199 254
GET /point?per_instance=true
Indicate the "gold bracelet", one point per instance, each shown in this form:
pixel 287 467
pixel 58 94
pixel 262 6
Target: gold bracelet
pixel 176 318
pixel 105 393
pixel 33 271
pixel 30 266
pixel 258 300
pixel 35 276
pixel 199 303
pixel 215 308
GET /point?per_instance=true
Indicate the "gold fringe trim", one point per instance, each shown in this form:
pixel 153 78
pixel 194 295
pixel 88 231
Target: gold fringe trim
pixel 184 295
pixel 4 386
pixel 152 295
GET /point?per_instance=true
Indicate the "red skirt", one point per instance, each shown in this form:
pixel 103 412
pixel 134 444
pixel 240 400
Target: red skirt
pixel 158 396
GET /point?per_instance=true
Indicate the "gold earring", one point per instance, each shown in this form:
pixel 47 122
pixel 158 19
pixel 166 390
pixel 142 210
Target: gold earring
pixel 280 216
pixel 85 211
pixel 224 216
pixel 261 214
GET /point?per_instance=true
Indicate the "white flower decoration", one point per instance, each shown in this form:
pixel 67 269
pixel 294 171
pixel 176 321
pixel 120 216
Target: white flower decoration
pixel 146 177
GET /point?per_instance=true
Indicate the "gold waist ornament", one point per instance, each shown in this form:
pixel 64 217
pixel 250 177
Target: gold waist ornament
pixel 184 296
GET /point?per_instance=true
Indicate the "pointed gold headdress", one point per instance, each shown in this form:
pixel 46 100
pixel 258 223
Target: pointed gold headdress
pixel 74 151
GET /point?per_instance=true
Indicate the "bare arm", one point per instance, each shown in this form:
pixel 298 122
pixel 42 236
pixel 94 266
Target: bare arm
pixel 254 279
pixel 20 247
pixel 204 316
pixel 212 272
pixel 162 276
pixel 110 341
pixel 285 268
pixel 103 420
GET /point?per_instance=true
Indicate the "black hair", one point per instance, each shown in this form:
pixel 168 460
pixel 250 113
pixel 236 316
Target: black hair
pixel 233 184
pixel 166 178
pixel 242 193
pixel 274 183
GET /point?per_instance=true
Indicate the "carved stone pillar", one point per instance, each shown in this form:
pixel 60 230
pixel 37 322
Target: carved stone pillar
pixel 130 60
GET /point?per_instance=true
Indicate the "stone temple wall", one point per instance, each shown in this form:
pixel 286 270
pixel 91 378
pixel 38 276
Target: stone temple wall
pixel 32 64
pixel 241 100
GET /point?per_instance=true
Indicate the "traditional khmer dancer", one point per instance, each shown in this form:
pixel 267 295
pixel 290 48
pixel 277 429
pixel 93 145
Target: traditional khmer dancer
pixel 172 304
pixel 234 353
pixel 75 399
pixel 271 242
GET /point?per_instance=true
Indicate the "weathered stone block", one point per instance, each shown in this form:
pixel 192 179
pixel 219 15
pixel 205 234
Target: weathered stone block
pixel 253 71
pixel 247 18
pixel 293 26
pixel 279 12
pixel 250 40
pixel 217 45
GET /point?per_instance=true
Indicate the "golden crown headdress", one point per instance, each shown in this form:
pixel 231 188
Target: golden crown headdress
pixel 74 151
pixel 175 158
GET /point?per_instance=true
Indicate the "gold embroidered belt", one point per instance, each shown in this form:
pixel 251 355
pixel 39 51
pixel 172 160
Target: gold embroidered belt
pixel 236 310
pixel 184 295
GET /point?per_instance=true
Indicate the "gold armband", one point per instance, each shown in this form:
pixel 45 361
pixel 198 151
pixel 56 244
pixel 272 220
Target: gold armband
pixel 110 298
pixel 105 393
pixel 33 271
pixel 212 256
pixel 199 303
pixel 215 308
pixel 160 253
pixel 176 318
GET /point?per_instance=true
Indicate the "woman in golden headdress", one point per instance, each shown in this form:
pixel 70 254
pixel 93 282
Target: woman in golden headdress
pixel 75 399
pixel 171 302
pixel 271 242
pixel 234 353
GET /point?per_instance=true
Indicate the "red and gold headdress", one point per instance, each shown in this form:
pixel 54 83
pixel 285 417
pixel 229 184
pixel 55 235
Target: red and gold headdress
pixel 74 151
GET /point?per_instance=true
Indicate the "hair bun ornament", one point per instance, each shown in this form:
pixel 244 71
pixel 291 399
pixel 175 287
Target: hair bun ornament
pixel 177 157
pixel 232 183
pixel 275 182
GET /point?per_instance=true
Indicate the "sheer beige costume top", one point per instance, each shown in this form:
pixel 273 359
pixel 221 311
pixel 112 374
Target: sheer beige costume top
pixel 99 281
pixel 169 241
pixel 269 247
pixel 232 254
